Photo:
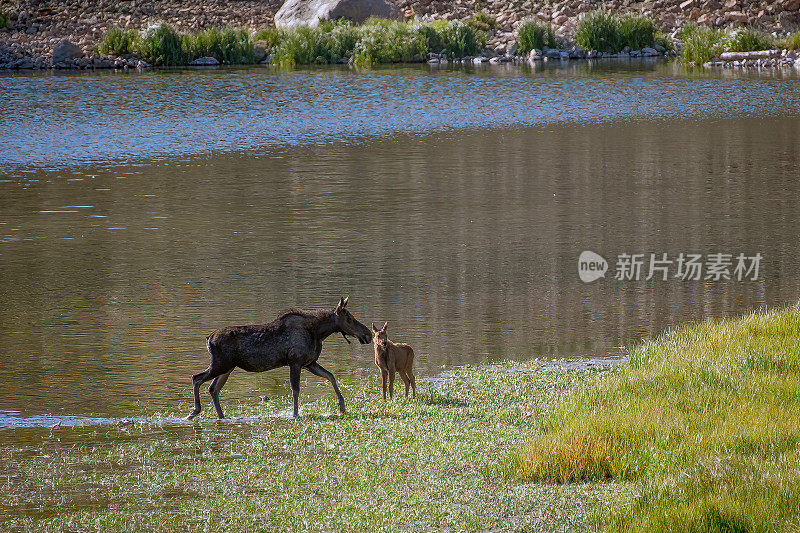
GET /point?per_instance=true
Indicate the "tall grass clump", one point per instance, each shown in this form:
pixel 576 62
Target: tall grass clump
pixel 459 39
pixel 389 41
pixel 533 34
pixel 604 32
pixel 750 40
pixel 701 44
pixel 482 21
pixel 4 20
pixel 599 31
pixel 704 420
pixel 791 42
pixel 271 36
pixel 119 42
pixel 228 45
pixel 327 43
pixel 162 45
pixel 636 32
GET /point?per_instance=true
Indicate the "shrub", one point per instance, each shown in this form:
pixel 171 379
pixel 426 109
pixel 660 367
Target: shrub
pixel 701 44
pixel 3 20
pixel 533 34
pixel 386 41
pixel 459 39
pixel 482 21
pixel 162 45
pixel 636 31
pixel 119 42
pixel 750 40
pixel 791 42
pixel 271 36
pixel 229 46
pixel 599 31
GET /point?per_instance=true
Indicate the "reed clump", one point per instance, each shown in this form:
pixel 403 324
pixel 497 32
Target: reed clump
pixel 606 32
pixel 532 34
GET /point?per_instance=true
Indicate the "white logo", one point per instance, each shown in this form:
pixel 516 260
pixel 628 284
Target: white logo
pixel 591 266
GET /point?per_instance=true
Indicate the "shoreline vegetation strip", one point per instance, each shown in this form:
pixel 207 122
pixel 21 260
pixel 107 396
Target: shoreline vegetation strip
pixel 385 41
pixel 699 431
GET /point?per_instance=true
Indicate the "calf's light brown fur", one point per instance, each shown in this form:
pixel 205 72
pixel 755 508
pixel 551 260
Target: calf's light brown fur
pixel 393 357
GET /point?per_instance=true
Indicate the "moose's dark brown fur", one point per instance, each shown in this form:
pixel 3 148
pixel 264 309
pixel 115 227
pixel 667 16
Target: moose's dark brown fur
pixel 294 339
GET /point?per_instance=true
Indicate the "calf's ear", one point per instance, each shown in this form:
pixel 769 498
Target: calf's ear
pixel 384 326
pixel 344 302
pixel 374 328
pixel 340 305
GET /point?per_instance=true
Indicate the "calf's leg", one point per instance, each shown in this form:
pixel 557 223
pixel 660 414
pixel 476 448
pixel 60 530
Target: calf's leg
pixel 384 375
pixel 317 370
pixel 198 379
pixel 406 381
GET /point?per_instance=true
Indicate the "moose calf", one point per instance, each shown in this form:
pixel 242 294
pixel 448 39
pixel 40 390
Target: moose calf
pixel 391 357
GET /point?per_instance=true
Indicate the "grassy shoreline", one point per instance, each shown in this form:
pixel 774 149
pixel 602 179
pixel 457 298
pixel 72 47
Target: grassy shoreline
pixel 699 431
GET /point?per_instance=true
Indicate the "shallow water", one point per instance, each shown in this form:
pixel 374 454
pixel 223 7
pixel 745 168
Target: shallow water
pixel 451 203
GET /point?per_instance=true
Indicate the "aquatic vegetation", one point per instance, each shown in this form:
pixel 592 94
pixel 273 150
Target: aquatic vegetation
pixel 388 41
pixel 459 39
pixel 705 420
pixel 534 34
pixel 750 40
pixel 428 463
pixel 119 42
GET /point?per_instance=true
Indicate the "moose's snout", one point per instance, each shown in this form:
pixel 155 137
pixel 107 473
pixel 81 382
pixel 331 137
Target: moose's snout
pixel 365 339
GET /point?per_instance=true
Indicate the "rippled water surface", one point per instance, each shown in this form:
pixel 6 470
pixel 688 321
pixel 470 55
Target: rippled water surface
pixel 139 212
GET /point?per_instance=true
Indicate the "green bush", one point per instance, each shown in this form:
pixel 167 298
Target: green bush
pixel 750 40
pixel 119 42
pixel 228 46
pixel 534 34
pixel 162 45
pixel 636 31
pixel 599 31
pixel 386 41
pixel 482 21
pixel 271 36
pixel 701 44
pixel 604 32
pixel 459 39
pixel 791 42
pixel 3 20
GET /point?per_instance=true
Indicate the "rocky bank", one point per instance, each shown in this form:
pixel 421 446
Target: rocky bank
pixel 35 27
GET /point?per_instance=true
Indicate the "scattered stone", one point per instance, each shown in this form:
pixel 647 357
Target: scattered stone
pixel 65 51
pixel 206 61
pixel 535 55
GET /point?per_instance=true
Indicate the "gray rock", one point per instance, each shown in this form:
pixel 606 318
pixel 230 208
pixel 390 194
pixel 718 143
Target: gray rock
pixel 259 51
pixel 511 49
pixel 142 65
pixel 65 51
pixel 267 60
pixel 576 52
pixel 552 53
pixel 535 55
pixel 658 48
pixel 480 59
pixel 649 52
pixel 310 12
pixel 204 62
pixel 592 54
pixel 564 56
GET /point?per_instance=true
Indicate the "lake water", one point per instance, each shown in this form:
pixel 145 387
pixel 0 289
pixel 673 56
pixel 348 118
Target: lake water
pixel 138 212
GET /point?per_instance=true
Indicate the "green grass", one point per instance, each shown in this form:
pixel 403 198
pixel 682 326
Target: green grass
pixel 533 34
pixel 119 42
pixel 704 420
pixel 702 44
pixel 750 40
pixel 791 42
pixel 606 32
pixel 229 45
pixel 482 21
pixel 427 463
pixel 4 20
pixel 162 45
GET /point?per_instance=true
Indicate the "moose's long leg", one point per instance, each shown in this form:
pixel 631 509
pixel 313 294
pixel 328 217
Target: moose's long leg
pixel 391 382
pixel 317 370
pixel 198 379
pixel 384 375
pixel 214 389
pixel 294 379
pixel 413 383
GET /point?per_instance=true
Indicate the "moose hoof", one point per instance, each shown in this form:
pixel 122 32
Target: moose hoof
pixel 192 415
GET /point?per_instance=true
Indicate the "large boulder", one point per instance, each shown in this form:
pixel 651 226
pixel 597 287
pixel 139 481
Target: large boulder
pixel 65 51
pixel 310 12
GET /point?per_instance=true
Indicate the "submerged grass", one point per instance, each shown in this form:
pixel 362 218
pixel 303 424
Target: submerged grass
pixel 427 463
pixel 706 421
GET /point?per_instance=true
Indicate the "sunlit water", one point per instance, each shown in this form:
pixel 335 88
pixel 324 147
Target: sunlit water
pixel 140 212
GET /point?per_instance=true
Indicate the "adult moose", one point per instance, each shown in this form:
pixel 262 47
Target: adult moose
pixel 294 339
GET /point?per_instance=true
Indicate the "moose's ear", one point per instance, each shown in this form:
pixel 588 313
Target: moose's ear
pixel 374 328
pixel 340 305
pixel 344 302
pixel 384 326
